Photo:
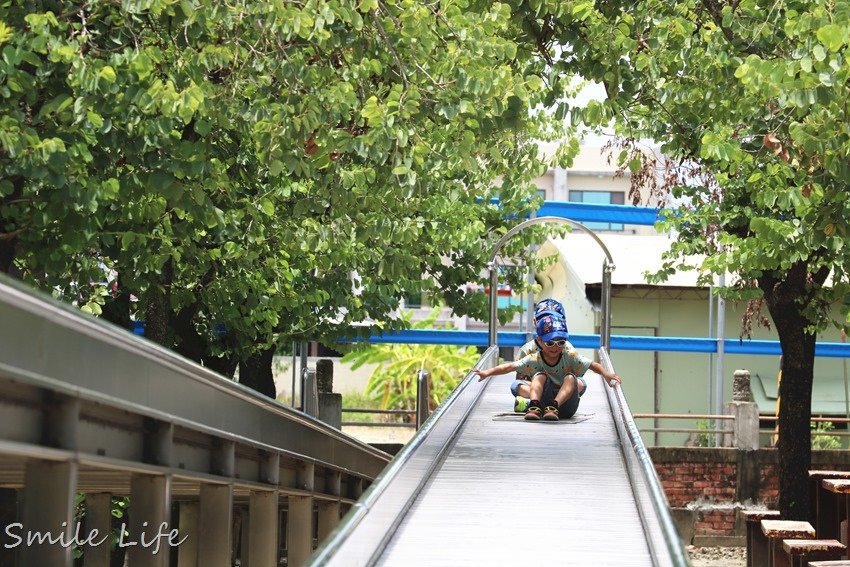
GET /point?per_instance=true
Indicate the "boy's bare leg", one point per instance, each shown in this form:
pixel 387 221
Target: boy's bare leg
pixel 535 388
pixel 566 390
pixel 524 389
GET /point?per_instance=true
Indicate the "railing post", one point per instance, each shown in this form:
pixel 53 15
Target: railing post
pixel 309 392
pixel 215 525
pixel 492 335
pixel 605 323
pixel 262 528
pixel 48 505
pixel 149 508
pixel 423 397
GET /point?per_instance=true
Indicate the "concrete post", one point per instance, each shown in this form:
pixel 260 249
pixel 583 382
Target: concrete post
pixel 325 375
pixel 263 529
pixel 299 530
pixel 745 428
pixel 330 404
pixel 149 510
pixel 215 525
pixel 745 436
pixel 330 409
pixel 48 506
pixel 741 386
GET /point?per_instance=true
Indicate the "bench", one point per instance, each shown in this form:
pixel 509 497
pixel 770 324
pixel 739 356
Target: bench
pixel 830 519
pixel 776 532
pixel 757 555
pixel 821 502
pixel 800 551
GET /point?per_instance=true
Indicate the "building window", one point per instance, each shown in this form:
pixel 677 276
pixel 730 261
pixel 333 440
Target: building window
pixel 600 198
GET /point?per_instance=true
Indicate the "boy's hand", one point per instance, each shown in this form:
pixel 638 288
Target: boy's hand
pixel 613 379
pixel 482 374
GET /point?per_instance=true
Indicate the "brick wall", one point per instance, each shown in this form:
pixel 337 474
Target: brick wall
pixel 706 483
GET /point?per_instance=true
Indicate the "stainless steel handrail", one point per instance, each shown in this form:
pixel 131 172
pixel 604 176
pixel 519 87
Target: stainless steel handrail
pixel 365 530
pixel 644 481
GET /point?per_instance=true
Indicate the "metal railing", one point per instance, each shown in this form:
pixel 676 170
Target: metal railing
pixel 370 411
pixel 88 407
pixel 722 429
pixel 660 529
pixel 421 413
pixel 364 532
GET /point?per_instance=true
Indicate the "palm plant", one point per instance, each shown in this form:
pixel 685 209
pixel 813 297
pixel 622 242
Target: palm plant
pixel 393 383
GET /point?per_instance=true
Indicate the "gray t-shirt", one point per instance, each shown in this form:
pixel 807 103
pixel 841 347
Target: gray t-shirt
pixel 530 348
pixel 570 362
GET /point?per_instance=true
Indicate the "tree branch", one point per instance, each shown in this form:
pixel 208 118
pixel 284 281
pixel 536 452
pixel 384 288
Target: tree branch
pixel 386 39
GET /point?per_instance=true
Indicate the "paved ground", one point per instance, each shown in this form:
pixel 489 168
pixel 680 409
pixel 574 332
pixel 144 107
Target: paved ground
pixel 717 556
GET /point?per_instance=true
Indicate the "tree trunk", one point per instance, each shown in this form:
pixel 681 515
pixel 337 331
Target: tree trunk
pixel 158 308
pixel 188 342
pixel 785 297
pixel 116 310
pixel 224 365
pixel 256 372
pixel 7 254
pixel 8 234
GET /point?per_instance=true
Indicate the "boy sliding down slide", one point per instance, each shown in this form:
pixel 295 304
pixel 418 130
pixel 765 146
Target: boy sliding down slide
pixel 556 380
pixel 521 387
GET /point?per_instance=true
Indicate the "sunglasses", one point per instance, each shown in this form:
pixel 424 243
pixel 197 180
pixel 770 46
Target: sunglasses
pixel 559 342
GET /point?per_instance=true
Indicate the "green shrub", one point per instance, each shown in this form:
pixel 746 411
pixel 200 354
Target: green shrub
pixel 824 441
pixel 393 383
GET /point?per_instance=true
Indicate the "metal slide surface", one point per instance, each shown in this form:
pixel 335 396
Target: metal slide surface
pixel 509 492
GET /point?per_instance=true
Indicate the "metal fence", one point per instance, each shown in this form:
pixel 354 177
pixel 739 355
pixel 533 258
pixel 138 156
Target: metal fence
pixel 87 408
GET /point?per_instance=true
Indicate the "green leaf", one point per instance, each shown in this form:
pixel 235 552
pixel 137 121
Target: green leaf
pixel 742 70
pixel 267 207
pixel 832 36
pixel 367 5
pixel 275 168
pixel 107 74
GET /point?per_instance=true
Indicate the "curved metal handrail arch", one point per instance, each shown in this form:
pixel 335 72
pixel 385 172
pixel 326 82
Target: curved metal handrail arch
pixel 607 268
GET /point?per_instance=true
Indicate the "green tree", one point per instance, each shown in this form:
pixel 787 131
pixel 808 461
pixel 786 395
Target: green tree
pixel 239 174
pixel 748 101
pixel 393 383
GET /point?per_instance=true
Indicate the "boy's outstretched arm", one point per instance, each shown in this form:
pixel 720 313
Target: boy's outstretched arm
pixel 503 368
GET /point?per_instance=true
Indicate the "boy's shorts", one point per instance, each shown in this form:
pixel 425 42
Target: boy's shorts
pixel 517 383
pixel 547 398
